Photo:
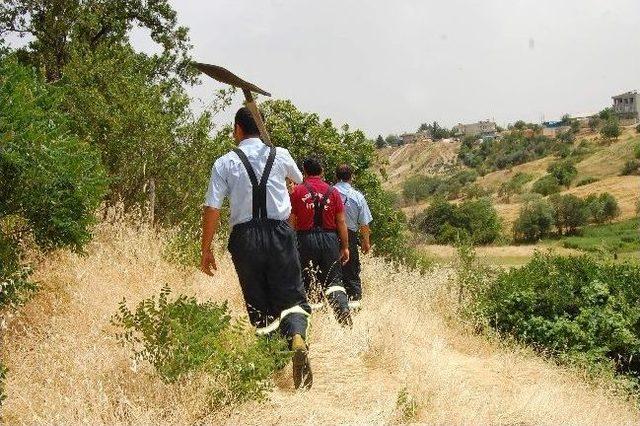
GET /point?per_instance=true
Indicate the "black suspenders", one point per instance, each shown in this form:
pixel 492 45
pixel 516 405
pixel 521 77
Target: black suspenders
pixel 259 189
pixel 318 204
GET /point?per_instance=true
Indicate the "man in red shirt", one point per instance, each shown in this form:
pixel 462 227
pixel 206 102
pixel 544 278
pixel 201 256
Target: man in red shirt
pixel 317 213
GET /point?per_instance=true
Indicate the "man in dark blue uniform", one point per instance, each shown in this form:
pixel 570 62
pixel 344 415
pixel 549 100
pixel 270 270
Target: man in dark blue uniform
pixel 262 244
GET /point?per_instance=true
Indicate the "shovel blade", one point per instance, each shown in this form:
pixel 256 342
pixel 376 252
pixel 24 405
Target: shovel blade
pixel 223 75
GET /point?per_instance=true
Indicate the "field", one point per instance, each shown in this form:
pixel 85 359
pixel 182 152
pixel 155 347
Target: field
pixel 404 361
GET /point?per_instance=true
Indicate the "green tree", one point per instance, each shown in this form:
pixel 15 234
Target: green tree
pixel 546 185
pixel 393 140
pixel 606 114
pixel 50 181
pixel 380 142
pixel 611 128
pixel 481 220
pixel 570 213
pixel 610 208
pixel 563 171
pixel 535 220
pixel 57 27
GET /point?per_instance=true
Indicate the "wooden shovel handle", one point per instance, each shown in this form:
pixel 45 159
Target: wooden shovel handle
pixel 253 109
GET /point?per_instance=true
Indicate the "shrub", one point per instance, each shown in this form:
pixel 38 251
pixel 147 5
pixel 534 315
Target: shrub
pixel 586 181
pixel 534 221
pixel 636 149
pixel 546 185
pixel 474 220
pixel 631 167
pixel 184 336
pixel 569 305
pixel 603 207
pixel 514 185
pixel 570 212
pixel 611 128
pixel 564 171
pixel 50 181
pixel 638 128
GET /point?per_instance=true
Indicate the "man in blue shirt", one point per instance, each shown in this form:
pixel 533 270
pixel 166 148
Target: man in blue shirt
pixel 262 244
pixel 358 218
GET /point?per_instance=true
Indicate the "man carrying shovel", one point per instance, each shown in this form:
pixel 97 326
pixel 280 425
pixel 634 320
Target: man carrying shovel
pixel 262 243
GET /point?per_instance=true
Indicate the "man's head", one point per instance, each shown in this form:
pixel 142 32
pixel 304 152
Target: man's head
pixel 311 166
pixel 244 125
pixel 344 173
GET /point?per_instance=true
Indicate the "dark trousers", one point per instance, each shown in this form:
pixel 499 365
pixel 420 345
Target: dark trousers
pixel 321 269
pixel 351 269
pixel 265 255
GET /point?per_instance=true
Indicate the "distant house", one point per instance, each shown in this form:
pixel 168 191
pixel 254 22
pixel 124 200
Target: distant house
pixel 626 104
pixel 484 128
pixel 552 128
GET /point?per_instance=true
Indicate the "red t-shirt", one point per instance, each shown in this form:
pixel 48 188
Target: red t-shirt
pixel 302 204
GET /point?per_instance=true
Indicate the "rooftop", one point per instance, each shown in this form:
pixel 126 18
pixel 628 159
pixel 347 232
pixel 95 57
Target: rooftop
pixel 631 92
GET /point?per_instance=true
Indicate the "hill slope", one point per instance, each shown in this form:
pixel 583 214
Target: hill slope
pixel 66 367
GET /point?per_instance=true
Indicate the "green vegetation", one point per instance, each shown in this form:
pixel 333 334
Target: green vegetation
pixel 406 406
pixel 563 171
pixel 50 181
pixel 521 145
pixel 546 185
pixel 183 336
pixel 631 167
pixel 610 129
pixel 535 221
pixel 567 213
pixel 602 208
pixel 572 307
pixel 421 187
pixel 474 220
pixel 586 181
pixel 514 185
pixel 620 237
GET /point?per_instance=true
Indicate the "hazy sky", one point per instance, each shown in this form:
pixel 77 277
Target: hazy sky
pixel 387 66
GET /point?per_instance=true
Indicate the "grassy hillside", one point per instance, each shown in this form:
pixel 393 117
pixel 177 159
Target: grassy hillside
pixel 405 361
pixel 599 160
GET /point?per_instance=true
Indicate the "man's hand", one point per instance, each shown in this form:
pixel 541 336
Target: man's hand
pixel 208 263
pixel 366 246
pixel 344 255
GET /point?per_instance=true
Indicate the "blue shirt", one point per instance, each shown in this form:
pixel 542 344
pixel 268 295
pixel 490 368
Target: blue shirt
pixel 229 177
pixel 356 208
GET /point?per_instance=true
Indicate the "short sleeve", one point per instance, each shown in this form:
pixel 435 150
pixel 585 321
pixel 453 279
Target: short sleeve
pixel 364 214
pixel 218 187
pixel 293 172
pixel 337 200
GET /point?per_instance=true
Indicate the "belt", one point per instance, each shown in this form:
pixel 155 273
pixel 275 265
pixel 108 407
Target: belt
pixel 316 231
pixel 256 223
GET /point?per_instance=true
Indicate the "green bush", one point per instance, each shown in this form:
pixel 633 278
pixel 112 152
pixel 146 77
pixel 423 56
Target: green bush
pixel 535 220
pixel 474 220
pixel 514 185
pixel 563 171
pixel 51 182
pixel 184 336
pixel 631 167
pixel 570 213
pixel 638 128
pixel 546 185
pixel 636 149
pixel 611 128
pixel 586 181
pixel 602 208
pixel 569 305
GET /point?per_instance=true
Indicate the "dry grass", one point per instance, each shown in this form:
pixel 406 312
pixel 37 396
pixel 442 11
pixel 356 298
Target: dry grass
pixel 66 367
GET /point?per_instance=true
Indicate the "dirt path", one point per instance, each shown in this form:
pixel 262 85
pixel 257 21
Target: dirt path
pixel 66 367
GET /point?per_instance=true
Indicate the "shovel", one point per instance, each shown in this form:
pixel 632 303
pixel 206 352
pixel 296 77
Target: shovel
pixel 223 75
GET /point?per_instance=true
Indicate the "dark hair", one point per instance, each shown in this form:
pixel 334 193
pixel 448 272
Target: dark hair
pixel 245 120
pixel 344 172
pixel 312 166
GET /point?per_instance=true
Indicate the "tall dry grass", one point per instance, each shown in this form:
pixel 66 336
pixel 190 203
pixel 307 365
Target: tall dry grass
pixel 66 367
